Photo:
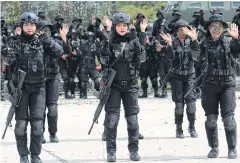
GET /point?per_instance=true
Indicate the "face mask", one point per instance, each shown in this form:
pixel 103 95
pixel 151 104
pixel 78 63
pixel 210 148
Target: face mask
pixel 90 38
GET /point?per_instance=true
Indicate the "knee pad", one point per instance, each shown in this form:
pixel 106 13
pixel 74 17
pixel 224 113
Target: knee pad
pixel 111 121
pixel 84 85
pixel 53 110
pixel 96 84
pixel 37 127
pixel 211 121
pixel 179 108
pixel 191 108
pixel 20 127
pixel 132 122
pixel 229 123
pixel 154 83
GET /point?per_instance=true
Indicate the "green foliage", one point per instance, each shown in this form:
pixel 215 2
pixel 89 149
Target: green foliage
pixel 148 8
pixel 12 12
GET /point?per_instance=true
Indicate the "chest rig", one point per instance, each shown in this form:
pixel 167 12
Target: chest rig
pixel 219 58
pixel 89 55
pixel 183 57
pixel 31 60
pixel 126 64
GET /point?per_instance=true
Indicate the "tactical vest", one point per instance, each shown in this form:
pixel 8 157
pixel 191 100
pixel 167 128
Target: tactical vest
pixel 183 62
pixel 219 60
pixel 88 55
pixel 52 67
pixel 126 65
pixel 31 60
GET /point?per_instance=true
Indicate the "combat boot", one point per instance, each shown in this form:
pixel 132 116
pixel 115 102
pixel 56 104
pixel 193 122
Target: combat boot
pixel 134 156
pixel 156 94
pixel 192 131
pixel 140 136
pixel 43 139
pixel 232 153
pixel 144 95
pixel 53 138
pixel 164 94
pixel 67 96
pixel 111 157
pixel 24 159
pixel 72 96
pixel 179 131
pixel 213 153
pixel 35 159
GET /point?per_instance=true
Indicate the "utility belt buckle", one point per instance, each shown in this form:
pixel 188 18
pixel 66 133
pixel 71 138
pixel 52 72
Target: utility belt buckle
pixel 124 82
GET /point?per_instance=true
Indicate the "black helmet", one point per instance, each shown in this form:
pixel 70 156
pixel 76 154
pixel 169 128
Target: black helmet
pixel 139 15
pixel 58 17
pixel 76 19
pixel 159 12
pixel 176 12
pixel 180 23
pixel 121 18
pixel 238 10
pixel 44 23
pixel 196 13
pixel 28 17
pixel 216 17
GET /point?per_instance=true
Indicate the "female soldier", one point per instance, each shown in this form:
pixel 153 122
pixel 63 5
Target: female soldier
pixel 127 54
pixel 217 55
pixel 183 74
pixel 26 53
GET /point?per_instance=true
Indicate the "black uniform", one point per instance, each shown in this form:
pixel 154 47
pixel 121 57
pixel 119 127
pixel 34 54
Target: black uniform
pixel 176 17
pixel 63 64
pixel 219 88
pixel 27 54
pixel 87 66
pixel 124 87
pixel 183 76
pixel 149 68
pixel 51 87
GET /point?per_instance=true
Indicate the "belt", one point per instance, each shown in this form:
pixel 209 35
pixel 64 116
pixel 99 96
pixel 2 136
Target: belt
pixel 220 72
pixel 124 82
pixel 186 72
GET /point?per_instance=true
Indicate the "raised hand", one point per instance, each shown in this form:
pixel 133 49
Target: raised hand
pixel 143 25
pixel 233 31
pixel 167 37
pixel 63 32
pixel 192 32
pixel 106 22
pixel 18 30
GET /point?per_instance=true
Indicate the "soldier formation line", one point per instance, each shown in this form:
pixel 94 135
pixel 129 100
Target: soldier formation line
pixel 114 53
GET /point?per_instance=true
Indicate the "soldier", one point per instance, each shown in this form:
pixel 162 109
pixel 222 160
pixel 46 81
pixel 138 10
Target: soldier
pixel 32 104
pixel 217 55
pixel 125 85
pixel 52 84
pixel 139 19
pixel 199 19
pixel 176 16
pixel 184 44
pixel 63 60
pixel 236 18
pixel 149 68
pixel 41 15
pixel 160 25
pixel 87 66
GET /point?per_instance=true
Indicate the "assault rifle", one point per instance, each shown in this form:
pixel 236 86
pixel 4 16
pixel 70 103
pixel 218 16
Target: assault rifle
pixel 15 99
